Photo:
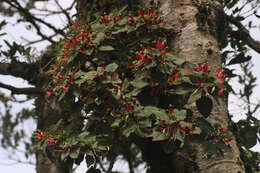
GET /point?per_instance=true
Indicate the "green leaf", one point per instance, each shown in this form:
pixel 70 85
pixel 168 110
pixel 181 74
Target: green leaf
pixel 99 38
pixel 196 131
pixel 139 84
pixel 177 60
pixel 159 136
pixel 149 110
pixel 129 128
pixel 74 153
pixel 90 160
pixel 123 21
pixel 88 51
pixel 181 89
pixel 145 123
pixel 180 115
pixel 248 136
pixel 97 27
pixel 240 58
pixel 83 135
pixel 179 135
pixel 116 123
pixel 194 96
pixel 64 155
pixel 111 67
pixel 106 48
pixel 124 29
pixel 89 75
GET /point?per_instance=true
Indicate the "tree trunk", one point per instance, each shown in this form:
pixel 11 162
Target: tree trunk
pixel 196 24
pixel 46 116
pixel 45 162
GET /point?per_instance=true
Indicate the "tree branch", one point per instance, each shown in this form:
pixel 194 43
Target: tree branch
pixel 26 91
pixel 243 34
pixel 33 20
pixel 20 69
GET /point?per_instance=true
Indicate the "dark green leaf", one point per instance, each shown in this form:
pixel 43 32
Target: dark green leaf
pixel 180 115
pixel 98 27
pixel 111 67
pixel 139 83
pixel 74 153
pixel 194 96
pixel 106 48
pixel 159 136
pixel 149 110
pixel 240 58
pixel 99 38
pixel 129 128
pixel 90 160
pixel 204 106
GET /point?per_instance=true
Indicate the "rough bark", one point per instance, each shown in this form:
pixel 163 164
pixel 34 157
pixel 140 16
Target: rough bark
pixel 196 41
pixel 45 162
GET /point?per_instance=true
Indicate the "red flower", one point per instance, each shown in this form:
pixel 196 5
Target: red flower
pixel 131 20
pixel 205 67
pixel 39 135
pixel 149 12
pixel 221 82
pixel 66 52
pixel 186 73
pixel 200 68
pixel 117 19
pixel 154 20
pixel 82 34
pixel 177 76
pixel 224 129
pixel 160 44
pixel 66 46
pixel 74 41
pixel 220 92
pixel 170 80
pixel 155 14
pixel 51 141
pixel 220 74
pixel 65 89
pixel 140 56
pixel 184 129
pixel 170 110
pixel 140 13
pixel 105 19
pixel 128 66
pixel 49 93
pixel 129 107
pixel 227 140
pixel 77 26
pixel 163 52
